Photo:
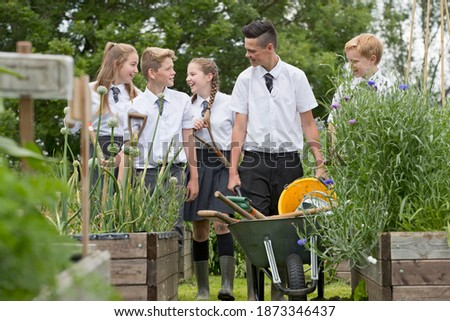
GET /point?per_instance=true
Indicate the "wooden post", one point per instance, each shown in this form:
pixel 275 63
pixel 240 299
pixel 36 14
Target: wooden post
pixel 81 110
pixel 86 112
pixel 442 55
pixel 410 42
pixel 425 59
pixel 26 107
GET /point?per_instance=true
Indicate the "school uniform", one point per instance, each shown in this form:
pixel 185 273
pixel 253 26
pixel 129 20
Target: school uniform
pixel 162 134
pixel 274 134
pixel 117 107
pixel 212 174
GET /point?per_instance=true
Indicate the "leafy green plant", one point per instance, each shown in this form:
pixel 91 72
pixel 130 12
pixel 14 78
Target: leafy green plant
pixel 390 167
pixel 29 249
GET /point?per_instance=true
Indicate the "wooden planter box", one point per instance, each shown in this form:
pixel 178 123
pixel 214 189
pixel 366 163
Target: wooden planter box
pixel 410 266
pixel 185 260
pixel 144 266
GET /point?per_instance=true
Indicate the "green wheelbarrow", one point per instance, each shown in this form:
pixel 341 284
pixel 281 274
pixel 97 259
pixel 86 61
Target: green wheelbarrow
pixel 272 244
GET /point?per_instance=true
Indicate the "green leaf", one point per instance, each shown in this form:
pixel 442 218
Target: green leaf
pixel 10 147
pixel 360 293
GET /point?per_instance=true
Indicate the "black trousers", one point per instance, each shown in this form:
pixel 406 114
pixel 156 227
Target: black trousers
pixel 265 175
pixel 178 171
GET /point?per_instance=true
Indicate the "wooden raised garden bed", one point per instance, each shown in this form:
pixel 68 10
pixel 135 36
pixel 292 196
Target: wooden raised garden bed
pixel 144 266
pixel 410 266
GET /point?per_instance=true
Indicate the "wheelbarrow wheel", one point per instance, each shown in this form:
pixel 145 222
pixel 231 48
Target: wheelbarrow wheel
pixel 296 276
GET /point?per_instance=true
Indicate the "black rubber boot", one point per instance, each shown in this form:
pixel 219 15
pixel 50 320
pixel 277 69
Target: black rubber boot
pixel 201 270
pixel 227 267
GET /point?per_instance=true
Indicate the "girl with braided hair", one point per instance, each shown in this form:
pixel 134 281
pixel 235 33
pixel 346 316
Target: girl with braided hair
pixel 213 125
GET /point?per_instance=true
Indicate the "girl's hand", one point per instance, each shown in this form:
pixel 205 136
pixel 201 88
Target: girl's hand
pixel 199 124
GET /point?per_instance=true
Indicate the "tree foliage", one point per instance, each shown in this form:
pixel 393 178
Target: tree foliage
pixel 311 33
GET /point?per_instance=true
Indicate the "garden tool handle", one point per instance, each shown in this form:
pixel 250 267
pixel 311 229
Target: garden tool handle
pixel 237 190
pixel 254 212
pixel 301 213
pixel 215 214
pixel 235 207
pixel 216 151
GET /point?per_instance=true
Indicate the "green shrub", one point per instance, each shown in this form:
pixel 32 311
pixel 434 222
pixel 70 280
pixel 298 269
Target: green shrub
pixel 28 251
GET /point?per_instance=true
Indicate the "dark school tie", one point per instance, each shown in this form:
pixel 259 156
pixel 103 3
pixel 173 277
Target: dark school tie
pixel 269 81
pixel 204 107
pixel 116 92
pixel 160 103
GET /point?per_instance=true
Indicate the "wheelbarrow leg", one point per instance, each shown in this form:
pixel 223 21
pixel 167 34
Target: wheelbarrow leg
pixel 255 282
pixel 321 282
pixel 258 283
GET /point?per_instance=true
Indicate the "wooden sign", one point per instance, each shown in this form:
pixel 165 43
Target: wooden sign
pixel 37 76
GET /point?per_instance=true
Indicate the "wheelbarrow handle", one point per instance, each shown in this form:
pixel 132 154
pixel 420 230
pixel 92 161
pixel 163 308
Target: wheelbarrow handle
pixel 215 214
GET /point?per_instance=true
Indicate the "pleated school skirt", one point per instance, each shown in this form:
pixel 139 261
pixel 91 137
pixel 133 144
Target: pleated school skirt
pixel 212 176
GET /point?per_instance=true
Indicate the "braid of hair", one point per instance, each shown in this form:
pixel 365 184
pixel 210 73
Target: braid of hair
pixel 193 98
pixel 212 97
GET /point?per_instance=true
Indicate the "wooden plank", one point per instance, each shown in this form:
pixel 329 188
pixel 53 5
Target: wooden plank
pixel 383 250
pixel 421 272
pixel 132 245
pixel 379 273
pixel 343 271
pixel 129 271
pixel 187 242
pixel 133 292
pixel 164 291
pixel 44 76
pixel 374 291
pixel 161 244
pixel 421 293
pixel 162 269
pixel 419 245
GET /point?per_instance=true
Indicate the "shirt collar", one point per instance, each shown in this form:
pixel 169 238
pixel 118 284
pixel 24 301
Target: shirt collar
pixel 275 72
pixel 120 86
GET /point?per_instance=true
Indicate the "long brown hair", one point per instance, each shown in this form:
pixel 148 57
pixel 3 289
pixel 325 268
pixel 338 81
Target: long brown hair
pixel 208 66
pixel 114 57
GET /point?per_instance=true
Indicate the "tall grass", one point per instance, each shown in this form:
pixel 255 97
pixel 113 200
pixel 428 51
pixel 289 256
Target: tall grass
pixel 391 167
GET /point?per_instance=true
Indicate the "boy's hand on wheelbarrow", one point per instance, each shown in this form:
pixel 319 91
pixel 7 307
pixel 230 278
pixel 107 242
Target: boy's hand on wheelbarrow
pixel 234 181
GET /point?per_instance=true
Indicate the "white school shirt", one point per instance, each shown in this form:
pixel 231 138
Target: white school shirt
pixel 273 118
pixel 175 117
pixel 115 110
pixel 221 119
pixel 382 85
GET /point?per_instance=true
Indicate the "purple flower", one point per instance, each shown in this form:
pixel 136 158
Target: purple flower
pixel 328 181
pixel 346 98
pixel 371 83
pixel 352 121
pixel 403 86
pixel 301 242
pixel 335 105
